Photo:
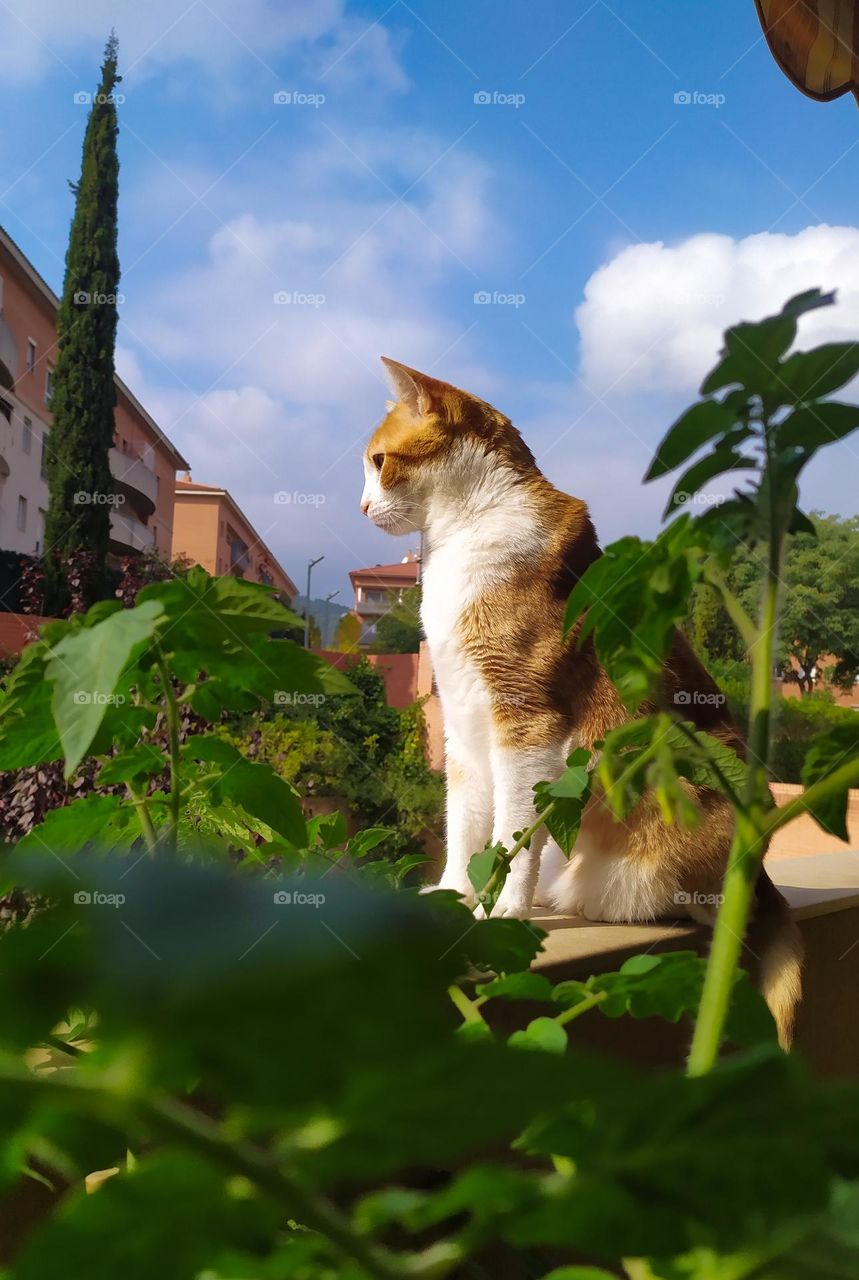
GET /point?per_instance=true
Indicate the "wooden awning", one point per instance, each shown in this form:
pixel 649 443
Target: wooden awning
pixel 815 42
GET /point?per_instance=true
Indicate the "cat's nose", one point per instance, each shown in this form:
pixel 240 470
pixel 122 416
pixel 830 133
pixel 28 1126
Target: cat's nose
pixel 365 506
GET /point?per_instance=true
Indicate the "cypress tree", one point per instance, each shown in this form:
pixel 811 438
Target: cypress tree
pixel 77 527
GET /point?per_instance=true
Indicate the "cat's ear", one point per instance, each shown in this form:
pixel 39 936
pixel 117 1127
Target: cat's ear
pixel 418 391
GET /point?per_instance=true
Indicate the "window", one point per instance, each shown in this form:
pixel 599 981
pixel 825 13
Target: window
pixel 49 385
pixel 27 436
pixel 22 514
pixel 6 409
pixel 43 460
pixel 31 356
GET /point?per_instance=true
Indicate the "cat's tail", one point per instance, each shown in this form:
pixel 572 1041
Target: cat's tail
pixel 775 939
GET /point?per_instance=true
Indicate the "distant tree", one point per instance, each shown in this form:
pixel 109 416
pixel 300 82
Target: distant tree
pixel 819 611
pixel 348 633
pixel 820 614
pixel 84 392
pixel 399 629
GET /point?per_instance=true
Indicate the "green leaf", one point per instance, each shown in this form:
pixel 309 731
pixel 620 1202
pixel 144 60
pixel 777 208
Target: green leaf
pixel 481 868
pixel 543 1034
pixel 254 785
pixel 141 761
pixel 723 459
pixel 819 372
pixel 172 1206
pixel 367 840
pixel 518 986
pixel 85 668
pixel 95 822
pixel 811 426
pixel 28 734
pixel 694 428
pixel 825 755
pixel 569 794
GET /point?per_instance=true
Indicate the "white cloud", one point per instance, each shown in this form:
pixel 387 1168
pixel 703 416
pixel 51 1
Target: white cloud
pixel 653 316
pixel 213 35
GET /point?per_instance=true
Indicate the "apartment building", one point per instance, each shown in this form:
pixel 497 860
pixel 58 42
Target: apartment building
pixel 143 461
pixel 373 586
pixel 210 528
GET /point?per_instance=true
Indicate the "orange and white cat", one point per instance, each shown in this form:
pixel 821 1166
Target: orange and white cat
pixel 503 548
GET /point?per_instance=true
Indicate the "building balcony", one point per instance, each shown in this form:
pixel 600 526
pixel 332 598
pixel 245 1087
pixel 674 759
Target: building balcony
pixel 128 534
pixel 135 480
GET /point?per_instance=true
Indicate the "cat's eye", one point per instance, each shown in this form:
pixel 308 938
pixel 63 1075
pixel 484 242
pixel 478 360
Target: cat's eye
pixel 378 459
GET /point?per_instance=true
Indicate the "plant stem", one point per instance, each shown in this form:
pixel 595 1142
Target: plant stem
pixel 172 712
pixel 467 1007
pixel 735 611
pixel 586 1003
pixel 749 843
pixel 522 843
pixel 145 817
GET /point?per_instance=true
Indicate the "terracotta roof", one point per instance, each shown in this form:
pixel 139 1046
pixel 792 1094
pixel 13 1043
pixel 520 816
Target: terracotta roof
pixel 407 572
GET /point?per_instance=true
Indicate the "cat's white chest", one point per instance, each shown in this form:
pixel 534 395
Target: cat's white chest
pixel 449 586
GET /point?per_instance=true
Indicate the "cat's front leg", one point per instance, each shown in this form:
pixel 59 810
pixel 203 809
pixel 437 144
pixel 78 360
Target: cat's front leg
pixel 469 818
pixel 515 770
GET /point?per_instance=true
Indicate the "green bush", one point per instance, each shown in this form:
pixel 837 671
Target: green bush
pixel 366 754
pixel 797 722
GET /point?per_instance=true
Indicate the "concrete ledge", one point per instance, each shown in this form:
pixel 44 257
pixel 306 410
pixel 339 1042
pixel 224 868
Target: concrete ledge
pixel 823 891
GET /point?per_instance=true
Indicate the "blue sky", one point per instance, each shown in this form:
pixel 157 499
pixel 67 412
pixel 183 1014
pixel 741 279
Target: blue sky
pixel 615 230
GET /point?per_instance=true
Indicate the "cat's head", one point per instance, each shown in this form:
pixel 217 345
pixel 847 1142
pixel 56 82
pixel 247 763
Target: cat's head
pixel 434 446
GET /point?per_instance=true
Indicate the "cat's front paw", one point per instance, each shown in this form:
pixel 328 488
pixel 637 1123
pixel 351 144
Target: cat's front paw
pixel 514 903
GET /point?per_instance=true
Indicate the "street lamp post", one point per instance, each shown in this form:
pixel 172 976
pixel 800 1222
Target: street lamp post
pixel 327 600
pixel 310 565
